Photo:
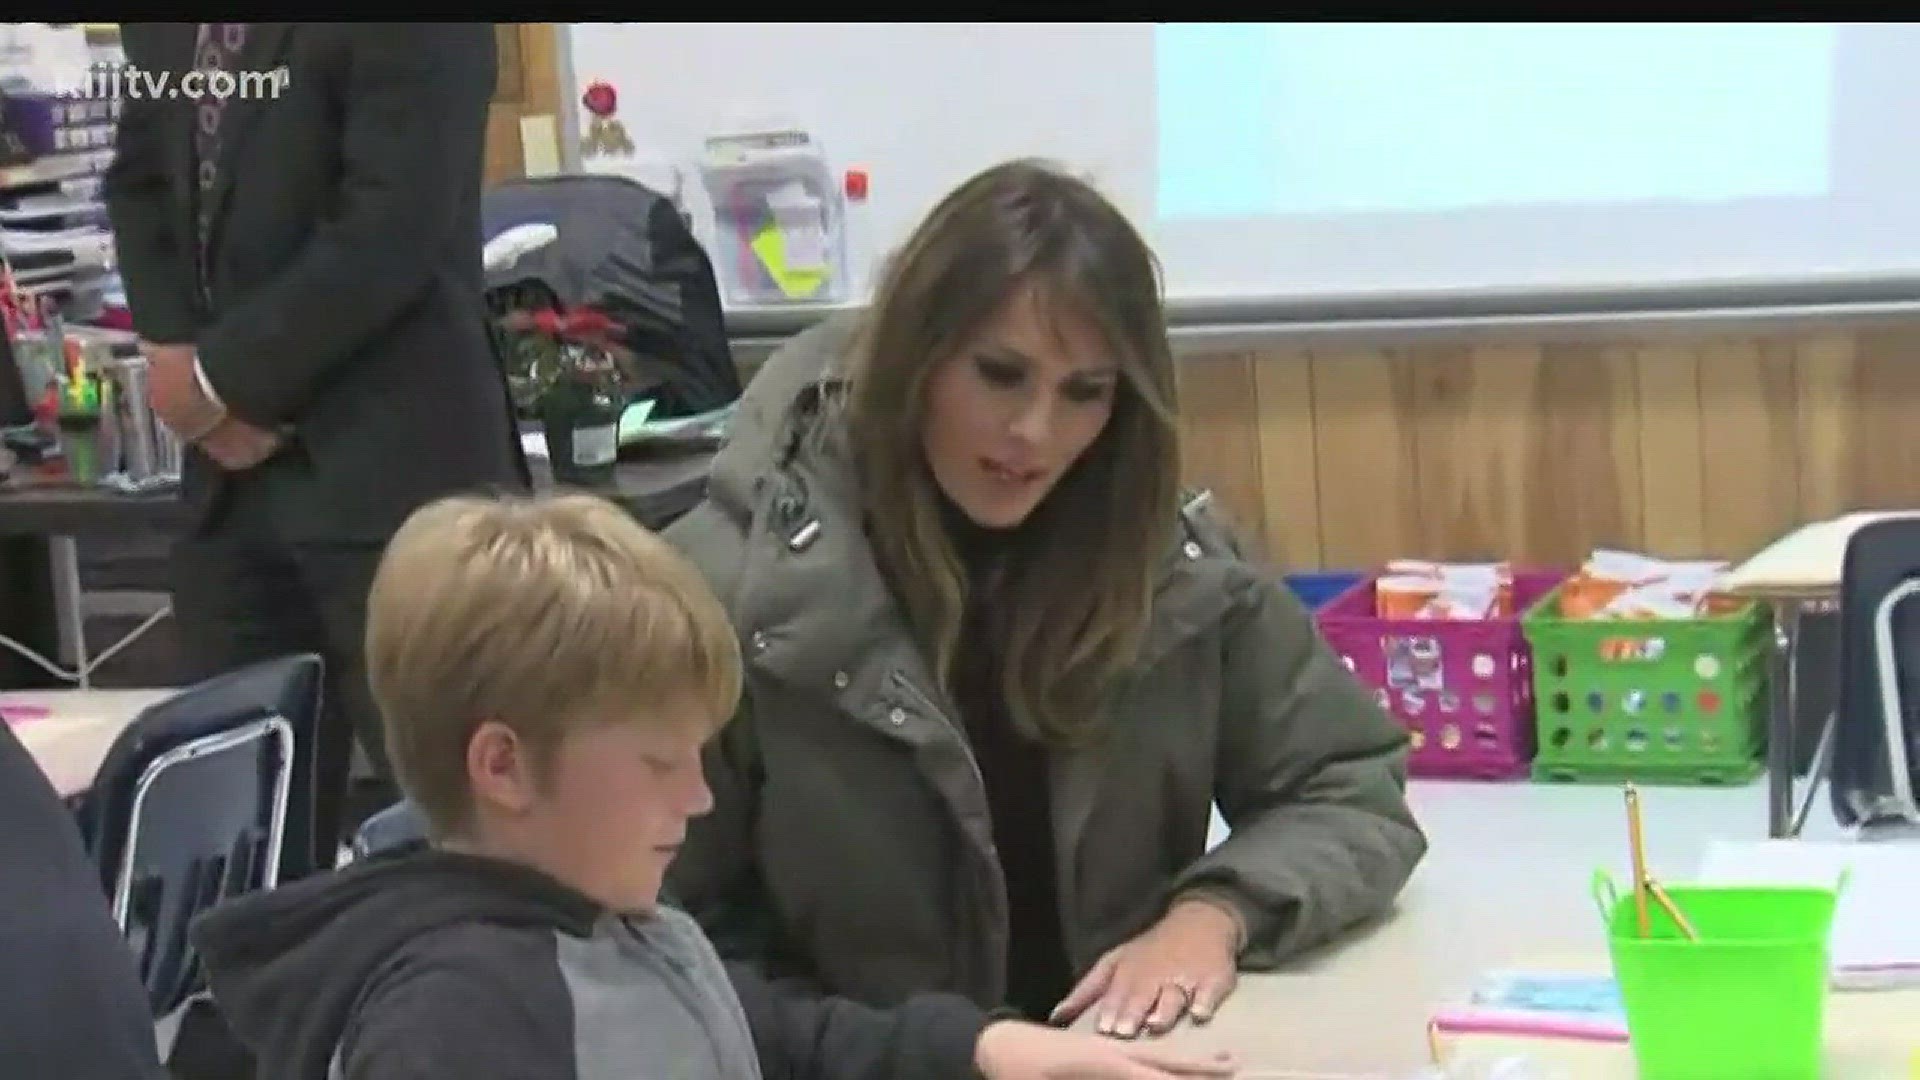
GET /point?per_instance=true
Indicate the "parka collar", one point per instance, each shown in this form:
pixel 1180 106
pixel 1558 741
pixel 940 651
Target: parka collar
pixel 813 605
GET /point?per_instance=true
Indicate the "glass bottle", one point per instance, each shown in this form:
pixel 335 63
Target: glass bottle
pixel 581 415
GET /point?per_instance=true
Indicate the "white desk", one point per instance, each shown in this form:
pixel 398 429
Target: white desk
pixel 1506 883
pixel 70 742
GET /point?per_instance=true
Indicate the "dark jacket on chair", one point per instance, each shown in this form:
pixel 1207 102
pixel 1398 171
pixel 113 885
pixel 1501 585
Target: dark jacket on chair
pixel 425 964
pixel 71 1004
pixel 344 299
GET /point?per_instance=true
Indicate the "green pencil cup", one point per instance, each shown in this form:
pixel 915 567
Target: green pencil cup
pixel 1748 999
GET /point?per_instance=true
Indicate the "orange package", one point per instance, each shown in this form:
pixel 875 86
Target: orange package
pixel 1625 585
pixel 1585 596
pixel 1404 596
pixel 1415 589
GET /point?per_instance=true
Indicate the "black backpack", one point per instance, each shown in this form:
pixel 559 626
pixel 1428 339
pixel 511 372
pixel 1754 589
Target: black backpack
pixel 625 250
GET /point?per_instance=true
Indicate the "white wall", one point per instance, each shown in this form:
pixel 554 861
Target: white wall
pixel 924 105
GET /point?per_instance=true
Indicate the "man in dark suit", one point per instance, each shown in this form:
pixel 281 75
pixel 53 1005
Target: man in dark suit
pixel 302 260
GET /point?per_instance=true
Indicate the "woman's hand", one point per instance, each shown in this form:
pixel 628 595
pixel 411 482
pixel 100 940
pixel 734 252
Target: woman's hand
pixel 1016 1050
pixel 1186 964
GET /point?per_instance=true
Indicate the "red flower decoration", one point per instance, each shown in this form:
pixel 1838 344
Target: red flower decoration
pixel 600 99
pixel 586 325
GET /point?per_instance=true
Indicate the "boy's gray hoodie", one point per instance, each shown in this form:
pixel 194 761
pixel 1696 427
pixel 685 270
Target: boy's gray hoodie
pixel 435 964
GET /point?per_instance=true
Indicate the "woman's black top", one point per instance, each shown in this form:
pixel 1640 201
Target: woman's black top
pixel 1014 768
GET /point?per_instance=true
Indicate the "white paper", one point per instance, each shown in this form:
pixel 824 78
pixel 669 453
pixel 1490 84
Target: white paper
pixel 1876 934
pixel 92 249
pixel 52 58
pixel 806 246
pixel 29 211
pixel 539 145
pixel 797 215
pixel 26 241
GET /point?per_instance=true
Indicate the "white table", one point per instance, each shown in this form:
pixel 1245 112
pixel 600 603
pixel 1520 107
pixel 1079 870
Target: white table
pixel 1507 883
pixel 80 727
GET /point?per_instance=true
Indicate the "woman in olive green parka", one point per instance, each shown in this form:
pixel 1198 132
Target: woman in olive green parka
pixel 999 668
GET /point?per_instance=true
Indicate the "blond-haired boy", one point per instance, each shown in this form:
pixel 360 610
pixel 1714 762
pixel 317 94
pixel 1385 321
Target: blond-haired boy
pixel 548 672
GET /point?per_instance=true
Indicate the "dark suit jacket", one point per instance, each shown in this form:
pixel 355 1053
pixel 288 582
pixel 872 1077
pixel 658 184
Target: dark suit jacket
pixel 344 299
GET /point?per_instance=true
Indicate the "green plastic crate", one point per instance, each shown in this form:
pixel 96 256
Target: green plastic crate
pixel 1659 701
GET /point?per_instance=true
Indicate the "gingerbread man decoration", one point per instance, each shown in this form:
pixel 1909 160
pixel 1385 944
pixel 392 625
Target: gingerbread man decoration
pixel 605 133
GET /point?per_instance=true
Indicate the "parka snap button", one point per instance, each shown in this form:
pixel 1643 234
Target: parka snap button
pixel 897 715
pixel 759 641
pixel 840 680
pixel 1192 549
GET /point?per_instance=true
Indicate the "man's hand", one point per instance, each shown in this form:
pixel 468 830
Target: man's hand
pixel 174 393
pixel 1013 1050
pixel 236 444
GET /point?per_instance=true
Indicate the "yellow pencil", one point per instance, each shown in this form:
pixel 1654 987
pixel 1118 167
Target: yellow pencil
pixel 1672 909
pixel 1637 842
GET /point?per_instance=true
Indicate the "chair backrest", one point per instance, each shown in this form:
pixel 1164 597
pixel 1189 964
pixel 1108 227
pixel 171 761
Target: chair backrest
pixel 289 686
pixel 396 827
pixel 1876 743
pixel 190 808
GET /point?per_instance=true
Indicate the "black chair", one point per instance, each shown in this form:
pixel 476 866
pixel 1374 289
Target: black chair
pixel 189 808
pixel 1875 736
pixel 398 826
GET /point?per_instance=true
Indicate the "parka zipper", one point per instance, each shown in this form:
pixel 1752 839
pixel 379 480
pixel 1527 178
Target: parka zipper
pixel 997 925
pixel 925 701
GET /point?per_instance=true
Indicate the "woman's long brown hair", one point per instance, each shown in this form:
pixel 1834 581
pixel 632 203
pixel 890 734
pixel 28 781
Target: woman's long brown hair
pixel 1075 606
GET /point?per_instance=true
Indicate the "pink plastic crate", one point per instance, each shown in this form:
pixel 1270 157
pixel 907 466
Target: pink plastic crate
pixel 1463 689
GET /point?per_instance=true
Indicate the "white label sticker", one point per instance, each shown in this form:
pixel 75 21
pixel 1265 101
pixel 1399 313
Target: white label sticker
pixel 597 445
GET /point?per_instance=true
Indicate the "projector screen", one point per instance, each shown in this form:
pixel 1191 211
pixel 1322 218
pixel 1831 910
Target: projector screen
pixel 1362 158
pixel 1305 161
pixel 1278 120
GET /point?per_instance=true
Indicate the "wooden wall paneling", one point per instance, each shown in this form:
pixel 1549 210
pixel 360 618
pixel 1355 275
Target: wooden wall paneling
pixel 1885 452
pixel 511 84
pixel 540 63
pixel 1539 451
pixel 528 84
pixel 1472 435
pixel 1859 398
pixel 1220 438
pixel 1525 452
pixel 1289 466
pixel 1365 456
pixel 1584 469
pixel 504 158
pixel 1827 407
pixel 1672 485
pixel 1749 452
